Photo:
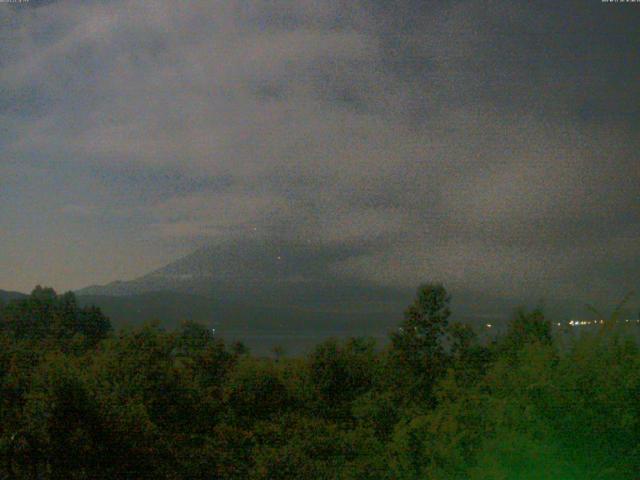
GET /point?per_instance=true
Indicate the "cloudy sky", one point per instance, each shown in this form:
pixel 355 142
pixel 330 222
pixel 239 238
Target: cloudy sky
pixel 492 145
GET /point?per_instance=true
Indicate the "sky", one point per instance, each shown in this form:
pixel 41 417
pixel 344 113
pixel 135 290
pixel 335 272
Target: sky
pixel 490 145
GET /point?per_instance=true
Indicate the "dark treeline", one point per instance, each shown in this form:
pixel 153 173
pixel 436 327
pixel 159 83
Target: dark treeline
pixel 79 400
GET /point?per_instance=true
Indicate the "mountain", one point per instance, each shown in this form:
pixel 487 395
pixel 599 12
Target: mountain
pixel 265 276
pixel 265 294
pixel 246 290
pixel 290 295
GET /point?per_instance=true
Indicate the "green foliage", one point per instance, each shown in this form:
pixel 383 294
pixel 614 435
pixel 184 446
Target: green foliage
pixel 417 347
pixel 77 401
pixel 339 373
pixel 46 315
pixel 255 391
pixel 526 328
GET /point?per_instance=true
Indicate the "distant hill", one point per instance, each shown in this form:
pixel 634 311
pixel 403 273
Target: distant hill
pixel 254 288
pixel 268 295
pixel 239 271
pixel 6 296
pixel 244 290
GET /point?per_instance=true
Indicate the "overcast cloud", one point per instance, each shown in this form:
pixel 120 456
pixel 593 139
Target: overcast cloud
pixel 491 145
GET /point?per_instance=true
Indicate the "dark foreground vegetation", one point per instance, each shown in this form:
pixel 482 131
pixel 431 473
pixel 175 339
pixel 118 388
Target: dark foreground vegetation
pixel 81 401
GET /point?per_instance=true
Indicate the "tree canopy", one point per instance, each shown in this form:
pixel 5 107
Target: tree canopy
pixel 79 400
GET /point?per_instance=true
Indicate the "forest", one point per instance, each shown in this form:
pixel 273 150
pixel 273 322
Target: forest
pixel 81 400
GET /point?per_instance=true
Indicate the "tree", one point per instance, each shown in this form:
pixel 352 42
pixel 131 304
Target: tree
pixel 340 373
pixel 255 391
pixel 524 329
pixel 417 345
pixel 469 360
pixel 46 315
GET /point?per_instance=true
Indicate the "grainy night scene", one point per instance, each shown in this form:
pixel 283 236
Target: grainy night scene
pixel 320 239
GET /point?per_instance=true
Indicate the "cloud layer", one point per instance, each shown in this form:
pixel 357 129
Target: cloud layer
pixel 492 146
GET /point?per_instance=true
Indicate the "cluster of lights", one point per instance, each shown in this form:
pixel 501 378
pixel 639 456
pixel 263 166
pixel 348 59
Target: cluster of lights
pixel 579 323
